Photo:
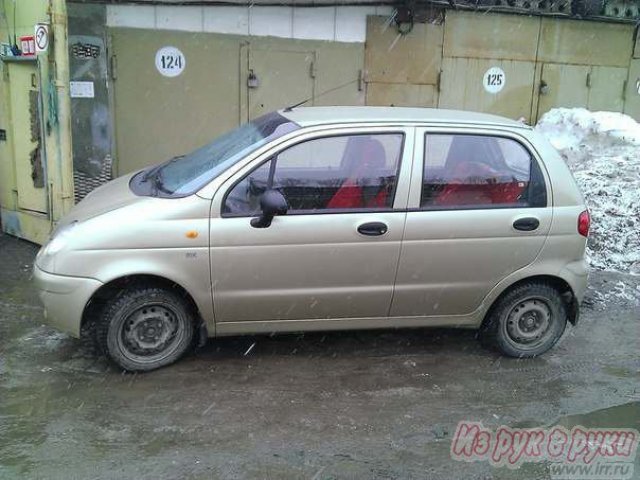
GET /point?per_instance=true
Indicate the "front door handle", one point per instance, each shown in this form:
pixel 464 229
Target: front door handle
pixel 373 228
pixel 527 224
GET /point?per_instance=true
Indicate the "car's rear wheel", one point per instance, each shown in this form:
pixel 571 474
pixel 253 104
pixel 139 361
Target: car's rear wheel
pixel 526 321
pixel 144 328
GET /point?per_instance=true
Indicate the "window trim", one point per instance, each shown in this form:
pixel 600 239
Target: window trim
pixel 498 134
pixel 325 211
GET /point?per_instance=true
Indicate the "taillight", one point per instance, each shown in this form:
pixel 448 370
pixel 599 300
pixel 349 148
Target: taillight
pixel 584 222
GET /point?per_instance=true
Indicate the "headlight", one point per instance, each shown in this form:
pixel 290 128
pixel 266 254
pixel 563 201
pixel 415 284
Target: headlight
pixel 60 239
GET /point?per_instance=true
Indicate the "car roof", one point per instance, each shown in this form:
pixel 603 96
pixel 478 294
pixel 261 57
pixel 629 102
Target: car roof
pixel 310 116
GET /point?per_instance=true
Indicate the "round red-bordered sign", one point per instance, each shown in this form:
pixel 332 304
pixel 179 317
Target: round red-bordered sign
pixel 41 37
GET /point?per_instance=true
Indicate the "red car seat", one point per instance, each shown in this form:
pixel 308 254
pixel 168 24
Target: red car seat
pixel 474 183
pixel 368 156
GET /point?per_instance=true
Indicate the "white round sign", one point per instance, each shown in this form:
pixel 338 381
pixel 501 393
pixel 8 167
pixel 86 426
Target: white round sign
pixel 170 61
pixel 41 37
pixel 494 80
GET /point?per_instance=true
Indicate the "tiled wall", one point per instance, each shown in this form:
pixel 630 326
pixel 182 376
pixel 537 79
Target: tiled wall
pixel 342 24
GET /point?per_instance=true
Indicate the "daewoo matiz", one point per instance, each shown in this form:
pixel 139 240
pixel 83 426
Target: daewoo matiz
pixel 327 218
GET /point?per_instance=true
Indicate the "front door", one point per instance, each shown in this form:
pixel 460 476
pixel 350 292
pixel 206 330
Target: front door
pixel 481 211
pixel 334 254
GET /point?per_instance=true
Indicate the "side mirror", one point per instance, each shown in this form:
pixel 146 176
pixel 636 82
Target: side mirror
pixel 272 203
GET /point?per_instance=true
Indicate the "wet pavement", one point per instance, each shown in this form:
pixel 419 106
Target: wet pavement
pixel 375 404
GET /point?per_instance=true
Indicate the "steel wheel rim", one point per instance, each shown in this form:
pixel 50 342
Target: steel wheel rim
pixel 528 323
pixel 150 333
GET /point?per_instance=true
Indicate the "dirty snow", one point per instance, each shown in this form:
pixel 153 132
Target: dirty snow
pixel 602 149
pixel 619 291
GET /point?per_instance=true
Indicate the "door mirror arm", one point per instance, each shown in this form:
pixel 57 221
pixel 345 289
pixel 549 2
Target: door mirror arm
pixel 272 203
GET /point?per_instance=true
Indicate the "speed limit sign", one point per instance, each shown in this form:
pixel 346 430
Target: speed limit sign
pixel 41 37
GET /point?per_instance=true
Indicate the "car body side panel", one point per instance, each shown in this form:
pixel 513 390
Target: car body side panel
pixel 307 266
pixel 304 266
pixel 148 237
pixel 451 259
pixel 332 324
pixel 64 298
pixel 187 267
pixel 561 256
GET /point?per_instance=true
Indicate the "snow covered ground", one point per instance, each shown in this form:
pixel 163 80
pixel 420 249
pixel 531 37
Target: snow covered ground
pixel 602 149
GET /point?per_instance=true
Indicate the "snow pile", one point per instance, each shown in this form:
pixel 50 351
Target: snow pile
pixel 602 149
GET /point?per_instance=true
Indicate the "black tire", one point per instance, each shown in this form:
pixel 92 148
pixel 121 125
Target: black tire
pixel 145 328
pixel 526 321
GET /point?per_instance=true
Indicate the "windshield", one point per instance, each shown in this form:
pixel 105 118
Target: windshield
pixel 185 174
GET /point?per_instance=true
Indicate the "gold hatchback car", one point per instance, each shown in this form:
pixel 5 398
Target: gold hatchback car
pixel 327 218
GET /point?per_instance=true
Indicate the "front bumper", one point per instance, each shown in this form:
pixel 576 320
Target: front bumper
pixel 64 298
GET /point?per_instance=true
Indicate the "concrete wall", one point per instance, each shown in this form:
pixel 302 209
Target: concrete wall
pixel 340 24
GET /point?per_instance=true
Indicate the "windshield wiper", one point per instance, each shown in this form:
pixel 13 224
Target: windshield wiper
pixel 158 184
pixel 155 174
pixel 151 172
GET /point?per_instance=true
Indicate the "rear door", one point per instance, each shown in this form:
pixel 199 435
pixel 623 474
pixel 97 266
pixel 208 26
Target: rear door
pixel 477 213
pixel 327 258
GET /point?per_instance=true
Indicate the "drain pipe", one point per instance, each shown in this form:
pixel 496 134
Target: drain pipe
pixel 60 65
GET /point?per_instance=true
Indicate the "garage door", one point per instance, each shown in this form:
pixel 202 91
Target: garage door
pixel 214 84
pixel 163 112
pixel 463 86
pixel 632 95
pixel 606 88
pixel 403 70
pixel 280 78
pixel 563 86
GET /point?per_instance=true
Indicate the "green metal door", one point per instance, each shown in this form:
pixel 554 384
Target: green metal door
pixel 563 86
pixel 278 78
pixel 403 70
pixel 158 116
pixel 28 145
pixel 632 95
pixel 606 88
pixel 463 86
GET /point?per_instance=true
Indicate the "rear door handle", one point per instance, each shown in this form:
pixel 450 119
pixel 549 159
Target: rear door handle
pixel 373 228
pixel 527 224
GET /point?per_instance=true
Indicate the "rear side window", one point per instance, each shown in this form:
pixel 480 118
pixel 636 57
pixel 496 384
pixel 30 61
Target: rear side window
pixel 479 171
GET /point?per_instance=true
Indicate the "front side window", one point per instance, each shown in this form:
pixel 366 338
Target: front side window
pixel 479 171
pixel 347 172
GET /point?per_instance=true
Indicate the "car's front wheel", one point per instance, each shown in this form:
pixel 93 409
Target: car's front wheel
pixel 144 328
pixel 526 321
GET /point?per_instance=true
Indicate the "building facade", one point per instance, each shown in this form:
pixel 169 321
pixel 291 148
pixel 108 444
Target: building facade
pixel 136 83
